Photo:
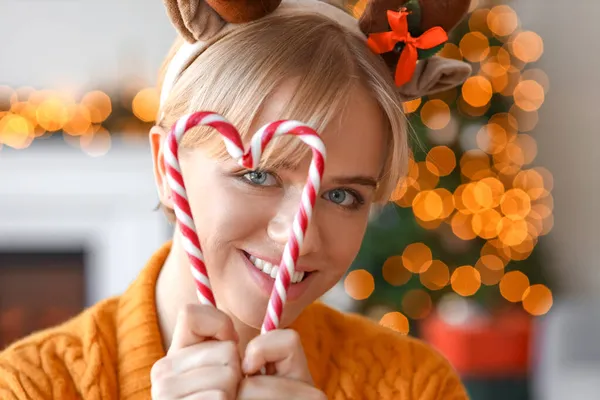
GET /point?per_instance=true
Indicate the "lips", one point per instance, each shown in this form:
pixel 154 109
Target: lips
pixel 272 270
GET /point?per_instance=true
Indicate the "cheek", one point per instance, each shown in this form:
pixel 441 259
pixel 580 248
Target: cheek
pixel 344 238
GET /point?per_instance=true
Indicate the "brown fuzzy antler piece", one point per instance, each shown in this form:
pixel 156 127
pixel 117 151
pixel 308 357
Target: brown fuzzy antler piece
pixel 200 19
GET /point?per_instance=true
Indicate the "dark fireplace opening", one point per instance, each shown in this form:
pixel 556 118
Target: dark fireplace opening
pixel 38 290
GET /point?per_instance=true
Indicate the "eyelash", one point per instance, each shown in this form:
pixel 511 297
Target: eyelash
pixel 359 200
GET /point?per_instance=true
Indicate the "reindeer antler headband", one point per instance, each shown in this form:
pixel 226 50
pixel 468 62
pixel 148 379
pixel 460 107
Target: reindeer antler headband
pixel 407 34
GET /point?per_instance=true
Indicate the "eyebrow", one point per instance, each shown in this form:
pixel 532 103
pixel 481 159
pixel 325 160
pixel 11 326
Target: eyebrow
pixel 362 180
pixel 355 180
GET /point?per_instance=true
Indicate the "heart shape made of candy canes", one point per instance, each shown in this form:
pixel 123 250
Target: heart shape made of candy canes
pixel 249 159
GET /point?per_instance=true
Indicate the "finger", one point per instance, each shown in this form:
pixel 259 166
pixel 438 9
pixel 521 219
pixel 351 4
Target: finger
pixel 210 353
pixel 282 348
pixel 222 378
pixel 208 395
pixel 197 322
pixel 276 387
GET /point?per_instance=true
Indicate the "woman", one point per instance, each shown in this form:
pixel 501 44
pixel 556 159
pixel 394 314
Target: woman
pixel 302 60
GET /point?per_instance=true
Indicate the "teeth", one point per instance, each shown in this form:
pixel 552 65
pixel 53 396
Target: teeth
pixel 273 270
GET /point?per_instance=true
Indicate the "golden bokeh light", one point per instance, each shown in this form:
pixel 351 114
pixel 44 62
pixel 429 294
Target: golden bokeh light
pixel 528 146
pixel 52 114
pixel 529 95
pixel 496 74
pixel 502 20
pixel 465 280
pixel 427 179
pixel 496 187
pixel 486 223
pixel 475 164
pixel 450 50
pixel 531 182
pixel 523 250
pixel 441 161
pixel 79 120
pixel 527 46
pixel 492 138
pixel 6 97
pixel 462 227
pixel 16 131
pixel 477 197
pixel 496 248
pixel 474 46
pixel 98 104
pixel 493 262
pixel 411 106
pixel 512 232
pixel 428 205
pixel 473 5
pixel 359 284
pixel 513 285
pixel 396 321
pixel 145 104
pixel 489 277
pixel 477 91
pixel 417 304
pixel 436 277
pixel 435 114
pixel 96 142
pixel 537 300
pixel 515 204
pixel 394 272
pixel 417 257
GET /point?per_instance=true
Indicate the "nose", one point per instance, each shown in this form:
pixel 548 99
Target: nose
pixel 280 227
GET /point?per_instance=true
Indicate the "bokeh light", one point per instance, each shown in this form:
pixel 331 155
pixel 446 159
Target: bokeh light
pixel 98 104
pixel 529 95
pixel 96 142
pixel 394 272
pixel 502 20
pixel 396 321
pixel 145 104
pixel 465 280
pixel 435 114
pixel 436 277
pixel 527 46
pixel 412 105
pixel 477 91
pixel 537 300
pixel 441 160
pixel 359 284
pixel 513 285
pixel 474 46
pixel 417 257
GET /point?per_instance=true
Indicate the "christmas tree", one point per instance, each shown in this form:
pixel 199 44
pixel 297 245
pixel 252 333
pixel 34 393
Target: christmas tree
pixel 468 217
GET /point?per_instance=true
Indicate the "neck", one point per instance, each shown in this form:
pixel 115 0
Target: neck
pixel 175 288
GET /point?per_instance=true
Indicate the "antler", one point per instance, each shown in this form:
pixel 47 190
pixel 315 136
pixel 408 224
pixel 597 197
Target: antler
pixel 200 19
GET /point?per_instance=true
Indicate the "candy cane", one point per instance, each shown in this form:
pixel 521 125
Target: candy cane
pixel 249 159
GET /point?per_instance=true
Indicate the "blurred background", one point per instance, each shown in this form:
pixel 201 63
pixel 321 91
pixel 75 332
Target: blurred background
pixel 488 250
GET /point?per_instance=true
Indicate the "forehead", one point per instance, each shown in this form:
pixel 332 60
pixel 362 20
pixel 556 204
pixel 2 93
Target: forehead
pixel 354 139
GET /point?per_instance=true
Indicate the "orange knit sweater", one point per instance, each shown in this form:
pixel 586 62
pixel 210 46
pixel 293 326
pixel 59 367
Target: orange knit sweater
pixel 107 353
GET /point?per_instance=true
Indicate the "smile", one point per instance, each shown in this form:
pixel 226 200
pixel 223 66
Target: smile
pixel 272 270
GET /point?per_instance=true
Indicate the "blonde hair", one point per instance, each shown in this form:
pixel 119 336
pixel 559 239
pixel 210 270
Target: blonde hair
pixel 236 75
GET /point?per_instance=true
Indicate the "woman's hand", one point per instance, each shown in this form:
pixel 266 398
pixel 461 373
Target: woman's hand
pixel 281 352
pixel 203 360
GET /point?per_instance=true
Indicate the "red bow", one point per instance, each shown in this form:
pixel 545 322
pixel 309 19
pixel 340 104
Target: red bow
pixel 386 41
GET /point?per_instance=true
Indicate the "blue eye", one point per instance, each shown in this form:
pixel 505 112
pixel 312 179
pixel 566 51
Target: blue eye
pixel 341 197
pixel 260 178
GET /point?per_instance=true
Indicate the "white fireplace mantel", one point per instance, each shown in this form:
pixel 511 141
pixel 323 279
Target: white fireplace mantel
pixel 53 196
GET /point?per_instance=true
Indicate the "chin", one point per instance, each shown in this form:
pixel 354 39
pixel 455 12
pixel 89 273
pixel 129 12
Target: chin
pixel 250 296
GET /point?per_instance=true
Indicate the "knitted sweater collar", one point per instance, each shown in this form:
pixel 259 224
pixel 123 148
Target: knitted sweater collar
pixel 140 344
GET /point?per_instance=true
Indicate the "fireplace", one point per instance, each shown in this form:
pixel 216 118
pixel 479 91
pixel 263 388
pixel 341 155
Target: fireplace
pixel 39 290
pixel 74 230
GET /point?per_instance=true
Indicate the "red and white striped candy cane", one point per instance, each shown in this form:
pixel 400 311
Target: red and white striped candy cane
pixel 249 159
